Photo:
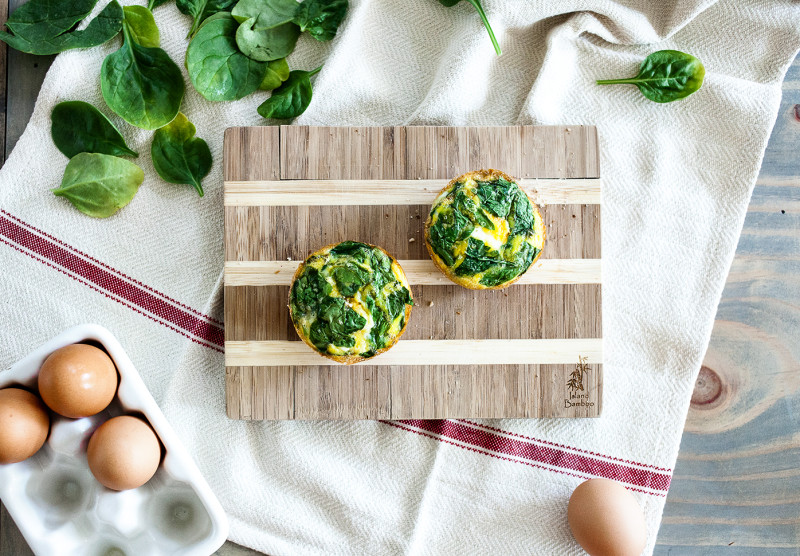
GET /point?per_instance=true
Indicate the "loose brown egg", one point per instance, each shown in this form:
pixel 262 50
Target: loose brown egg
pixel 606 520
pixel 123 453
pixel 24 424
pixel 78 380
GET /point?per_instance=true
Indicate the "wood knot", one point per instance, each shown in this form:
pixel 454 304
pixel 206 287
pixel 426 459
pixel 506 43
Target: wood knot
pixel 707 389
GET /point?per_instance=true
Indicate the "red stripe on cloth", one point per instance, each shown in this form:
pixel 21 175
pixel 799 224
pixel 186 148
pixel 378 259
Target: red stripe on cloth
pixel 98 290
pixel 111 283
pixel 104 265
pixel 665 469
pixel 565 461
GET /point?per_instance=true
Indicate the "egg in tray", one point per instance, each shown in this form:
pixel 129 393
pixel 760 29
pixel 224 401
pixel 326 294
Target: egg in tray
pixel 88 463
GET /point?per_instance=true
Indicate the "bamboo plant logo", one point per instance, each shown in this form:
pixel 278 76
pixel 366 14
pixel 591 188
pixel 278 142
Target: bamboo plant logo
pixel 575 382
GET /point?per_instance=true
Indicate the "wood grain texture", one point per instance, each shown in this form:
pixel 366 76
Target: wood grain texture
pixel 392 192
pixel 736 486
pixel 277 353
pixel 324 170
pixel 419 272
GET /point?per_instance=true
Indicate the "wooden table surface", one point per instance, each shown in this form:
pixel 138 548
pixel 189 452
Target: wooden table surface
pixel 736 487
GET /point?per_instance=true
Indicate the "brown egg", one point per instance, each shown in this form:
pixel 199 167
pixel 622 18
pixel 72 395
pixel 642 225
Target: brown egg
pixel 606 520
pixel 123 453
pixel 78 380
pixel 24 424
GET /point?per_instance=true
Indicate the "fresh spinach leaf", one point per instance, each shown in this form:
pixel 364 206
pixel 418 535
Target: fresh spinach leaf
pixel 665 76
pixel 99 184
pixel 477 5
pixel 270 13
pixel 141 84
pixel 142 26
pixel 43 26
pixel 266 44
pixel 200 10
pixel 178 156
pixel 79 127
pixel 321 18
pixel 277 73
pixel 218 70
pixel 155 3
pixel 290 99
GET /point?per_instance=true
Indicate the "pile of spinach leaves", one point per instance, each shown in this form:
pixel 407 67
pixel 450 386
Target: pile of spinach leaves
pixel 240 47
pixel 237 48
pixel 458 215
pixel 354 267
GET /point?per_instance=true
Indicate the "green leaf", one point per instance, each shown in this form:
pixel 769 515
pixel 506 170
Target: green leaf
pixel 478 258
pixel 200 10
pixel 277 73
pixel 42 26
pixel 335 323
pixel 477 5
pixel 179 156
pixel 41 19
pixel 665 76
pixel 218 70
pixel 79 127
pixel 266 44
pixel 99 184
pixel 290 99
pixel 270 13
pixel 471 210
pixel 497 196
pixel 141 84
pixel 521 217
pixel 321 18
pixel 450 227
pixel 155 3
pixel 142 25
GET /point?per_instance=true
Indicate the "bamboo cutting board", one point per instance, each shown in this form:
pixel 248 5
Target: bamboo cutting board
pixel 531 350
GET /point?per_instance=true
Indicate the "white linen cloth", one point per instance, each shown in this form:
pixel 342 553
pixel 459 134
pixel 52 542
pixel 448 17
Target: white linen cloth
pixel 677 182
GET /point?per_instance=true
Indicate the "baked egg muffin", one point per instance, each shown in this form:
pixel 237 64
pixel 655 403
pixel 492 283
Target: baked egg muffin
pixel 483 232
pixel 350 301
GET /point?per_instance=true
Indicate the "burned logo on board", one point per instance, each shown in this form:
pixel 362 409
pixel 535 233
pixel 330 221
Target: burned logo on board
pixel 578 385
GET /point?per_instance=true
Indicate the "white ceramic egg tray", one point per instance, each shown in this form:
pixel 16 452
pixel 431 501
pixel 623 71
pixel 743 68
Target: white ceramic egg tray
pixel 60 508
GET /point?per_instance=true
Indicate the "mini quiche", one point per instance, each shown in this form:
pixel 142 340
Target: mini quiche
pixel 483 231
pixel 350 301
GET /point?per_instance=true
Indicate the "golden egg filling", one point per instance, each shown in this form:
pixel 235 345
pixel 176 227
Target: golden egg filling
pixel 483 231
pixel 350 301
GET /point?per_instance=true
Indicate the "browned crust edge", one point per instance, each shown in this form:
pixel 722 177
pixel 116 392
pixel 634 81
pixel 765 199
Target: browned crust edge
pixel 347 359
pixel 488 174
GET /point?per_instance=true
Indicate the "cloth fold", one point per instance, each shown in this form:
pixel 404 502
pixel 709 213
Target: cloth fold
pixel 677 180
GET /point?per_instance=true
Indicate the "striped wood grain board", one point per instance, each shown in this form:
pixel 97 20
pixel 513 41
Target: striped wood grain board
pixel 290 190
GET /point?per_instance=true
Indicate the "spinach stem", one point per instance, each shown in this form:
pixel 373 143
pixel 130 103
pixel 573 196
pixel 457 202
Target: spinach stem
pixel 617 81
pixel 314 71
pixel 486 24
